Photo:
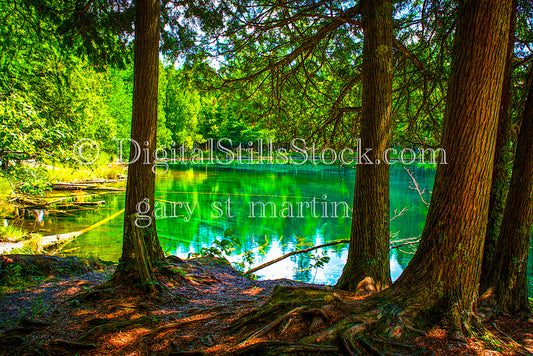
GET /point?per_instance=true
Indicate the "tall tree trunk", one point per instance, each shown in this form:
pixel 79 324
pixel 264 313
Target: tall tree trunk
pixel 444 273
pixel 507 276
pixel 369 242
pixel 502 157
pixel 141 246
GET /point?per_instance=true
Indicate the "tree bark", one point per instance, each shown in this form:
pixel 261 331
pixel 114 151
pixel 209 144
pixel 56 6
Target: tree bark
pixel 444 273
pixel 369 241
pixel 502 157
pixel 141 248
pixel 507 276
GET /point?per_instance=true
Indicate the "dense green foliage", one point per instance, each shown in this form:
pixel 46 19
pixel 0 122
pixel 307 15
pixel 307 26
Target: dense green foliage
pixel 245 70
pixel 67 74
pixel 51 98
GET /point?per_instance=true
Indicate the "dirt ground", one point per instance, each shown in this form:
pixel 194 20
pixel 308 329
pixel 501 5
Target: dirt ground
pixel 51 317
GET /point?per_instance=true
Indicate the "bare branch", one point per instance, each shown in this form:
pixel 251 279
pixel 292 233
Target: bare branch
pixel 416 187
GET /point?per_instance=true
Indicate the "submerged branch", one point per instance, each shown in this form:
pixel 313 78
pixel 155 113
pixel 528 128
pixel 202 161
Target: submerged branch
pixel 295 253
pixel 51 240
pixel 410 241
pixel 40 243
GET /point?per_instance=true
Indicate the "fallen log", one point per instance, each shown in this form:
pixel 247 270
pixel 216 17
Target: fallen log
pixel 41 243
pixel 102 181
pixel 295 253
pixel 52 240
pixel 83 203
pixel 411 241
pixel 83 186
pixel 33 203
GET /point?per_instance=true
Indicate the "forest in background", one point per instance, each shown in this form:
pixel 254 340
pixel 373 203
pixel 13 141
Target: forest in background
pixel 55 90
pixel 445 74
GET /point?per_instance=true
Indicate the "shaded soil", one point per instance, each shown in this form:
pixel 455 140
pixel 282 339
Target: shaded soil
pixel 49 316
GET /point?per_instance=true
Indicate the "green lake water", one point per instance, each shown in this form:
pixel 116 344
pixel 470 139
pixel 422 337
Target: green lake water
pixel 300 188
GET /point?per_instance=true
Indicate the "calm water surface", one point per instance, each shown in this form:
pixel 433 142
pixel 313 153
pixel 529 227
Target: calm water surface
pixel 209 189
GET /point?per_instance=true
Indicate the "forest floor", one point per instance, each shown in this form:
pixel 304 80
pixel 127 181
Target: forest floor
pixel 43 312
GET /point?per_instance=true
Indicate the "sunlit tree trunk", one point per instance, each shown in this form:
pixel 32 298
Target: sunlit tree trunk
pixel 141 248
pixel 502 157
pixel 443 275
pixel 507 275
pixel 369 242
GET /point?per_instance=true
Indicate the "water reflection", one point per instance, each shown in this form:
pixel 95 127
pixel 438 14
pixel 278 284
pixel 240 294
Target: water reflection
pixel 268 234
pixel 268 237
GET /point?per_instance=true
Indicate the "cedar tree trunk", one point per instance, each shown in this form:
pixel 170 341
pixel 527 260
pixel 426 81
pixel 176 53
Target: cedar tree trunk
pixel 443 275
pixel 507 276
pixel 369 242
pixel 502 157
pixel 141 248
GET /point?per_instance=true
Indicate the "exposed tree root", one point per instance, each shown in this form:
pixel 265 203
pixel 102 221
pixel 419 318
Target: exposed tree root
pixel 72 345
pixel 368 347
pixel 114 326
pixel 320 317
pixel 266 329
pixel 512 341
pixel 285 299
pixel 167 275
pixel 99 292
pixel 12 337
pixel 187 353
pixel 15 335
pixel 285 347
pixel 171 326
pixel 394 343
